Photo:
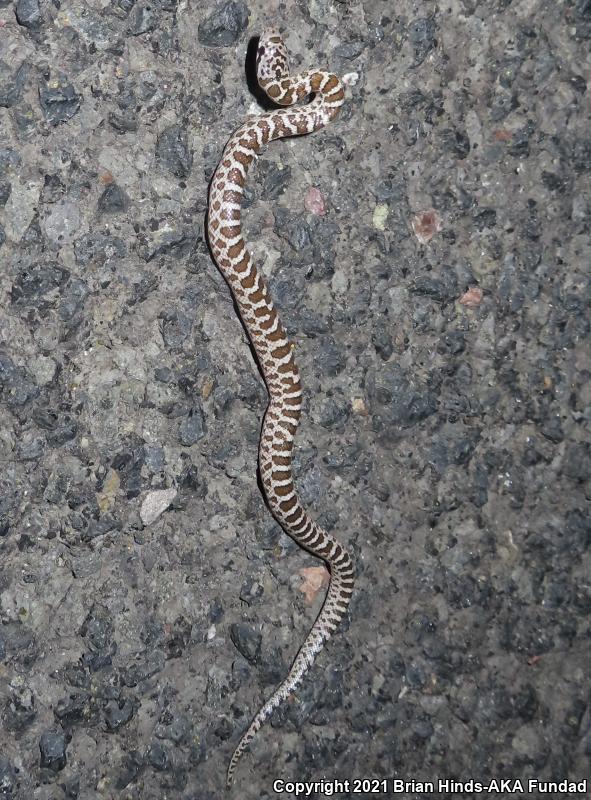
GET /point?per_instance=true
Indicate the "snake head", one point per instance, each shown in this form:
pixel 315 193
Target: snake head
pixel 272 60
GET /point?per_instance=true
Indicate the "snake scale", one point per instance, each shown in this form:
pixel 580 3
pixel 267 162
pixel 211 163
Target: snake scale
pixel 267 334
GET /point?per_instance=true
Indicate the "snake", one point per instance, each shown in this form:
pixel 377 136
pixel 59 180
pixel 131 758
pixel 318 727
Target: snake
pixel 274 352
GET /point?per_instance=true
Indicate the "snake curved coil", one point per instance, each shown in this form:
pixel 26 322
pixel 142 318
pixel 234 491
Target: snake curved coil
pixel 268 337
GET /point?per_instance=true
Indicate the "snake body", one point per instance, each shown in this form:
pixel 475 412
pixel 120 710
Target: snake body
pixel 267 334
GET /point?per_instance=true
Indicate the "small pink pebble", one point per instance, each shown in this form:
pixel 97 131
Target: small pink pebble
pixel 426 224
pixel 472 298
pixel 314 202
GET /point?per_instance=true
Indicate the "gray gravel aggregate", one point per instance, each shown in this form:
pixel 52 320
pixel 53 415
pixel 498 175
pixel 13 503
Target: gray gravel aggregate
pixel 429 253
